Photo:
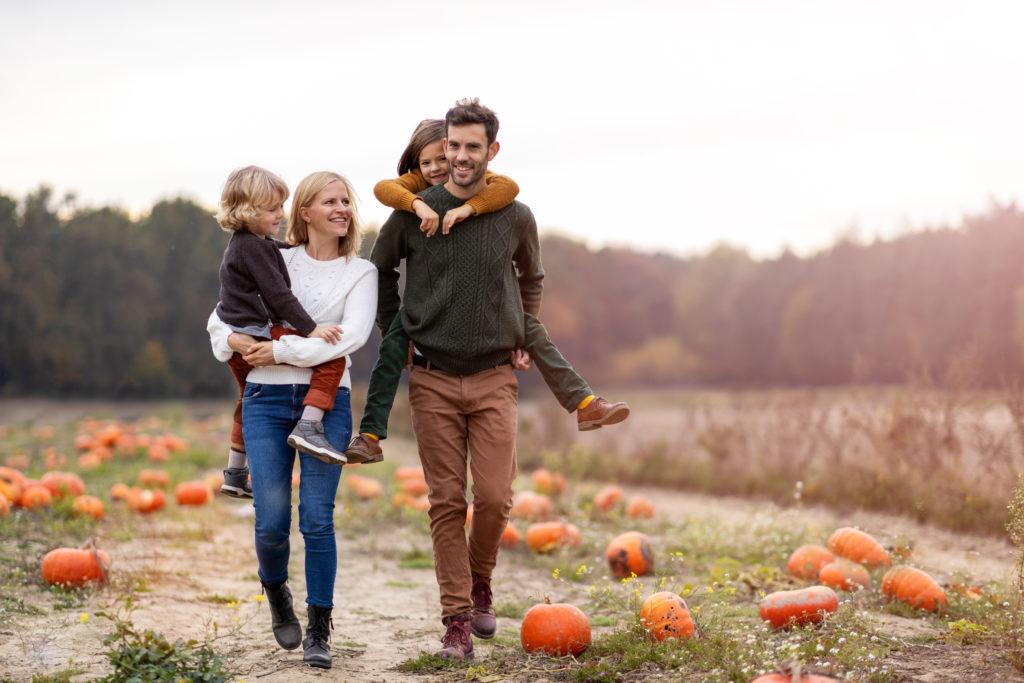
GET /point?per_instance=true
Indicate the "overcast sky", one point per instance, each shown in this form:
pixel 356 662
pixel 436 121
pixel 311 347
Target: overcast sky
pixel 660 125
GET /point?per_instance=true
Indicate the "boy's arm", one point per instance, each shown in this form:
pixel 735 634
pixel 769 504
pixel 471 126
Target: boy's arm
pixel 399 193
pixel 264 266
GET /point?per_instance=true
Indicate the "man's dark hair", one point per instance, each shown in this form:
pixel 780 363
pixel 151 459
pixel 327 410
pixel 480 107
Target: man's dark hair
pixel 469 110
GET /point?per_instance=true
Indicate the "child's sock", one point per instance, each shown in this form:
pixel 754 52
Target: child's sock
pixel 236 459
pixel 312 413
pixel 585 402
pixel 370 436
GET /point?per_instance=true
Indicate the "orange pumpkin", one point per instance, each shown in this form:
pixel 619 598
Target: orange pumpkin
pixel 854 544
pixel 192 493
pixel 630 554
pixel 844 575
pixel 796 608
pixel 11 475
pixel 5 506
pixel 119 491
pixel 607 497
pixel 87 506
pixel 403 473
pixel 89 460
pixel 10 490
pixel 365 488
pixel 154 479
pixel 511 538
pixel 807 560
pixel 639 506
pixel 414 487
pixel 35 496
pixel 158 452
pixel 75 566
pixel 145 500
pixel 530 505
pixel 914 587
pixel 63 484
pixel 666 615
pixel 558 629
pixel 545 537
pixel 546 482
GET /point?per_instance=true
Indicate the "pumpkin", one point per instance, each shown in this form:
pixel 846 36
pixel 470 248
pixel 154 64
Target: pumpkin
pixel 154 479
pixel 630 554
pixel 87 506
pixel 639 506
pixel 12 476
pixel 63 484
pixel 35 496
pixel 5 506
pixel 547 483
pixel 914 587
pixel 10 490
pixel 807 560
pixel 530 505
pixel 854 544
pixel 75 566
pixel 666 615
pixel 403 473
pixel 844 575
pixel 414 487
pixel 366 488
pixel 192 493
pixel 544 537
pixel 145 500
pixel 607 498
pixel 558 629
pixel 511 538
pixel 89 460
pixel 158 452
pixel 798 607
pixel 421 503
pixel 119 491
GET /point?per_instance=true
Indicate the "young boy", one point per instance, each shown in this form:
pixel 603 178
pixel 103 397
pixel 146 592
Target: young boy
pixel 256 300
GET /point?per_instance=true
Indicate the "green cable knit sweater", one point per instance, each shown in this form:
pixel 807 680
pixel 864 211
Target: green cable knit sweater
pixel 465 292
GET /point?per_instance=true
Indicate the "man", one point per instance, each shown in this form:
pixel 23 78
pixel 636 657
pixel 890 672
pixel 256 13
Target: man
pixel 465 298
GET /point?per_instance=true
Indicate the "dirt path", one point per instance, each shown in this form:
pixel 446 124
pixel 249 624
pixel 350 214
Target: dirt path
pixel 189 561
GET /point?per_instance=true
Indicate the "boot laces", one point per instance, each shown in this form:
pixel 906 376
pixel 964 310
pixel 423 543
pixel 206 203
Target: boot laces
pixel 457 634
pixel 481 593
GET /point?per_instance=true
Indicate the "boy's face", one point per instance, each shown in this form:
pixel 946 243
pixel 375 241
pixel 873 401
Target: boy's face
pixel 268 219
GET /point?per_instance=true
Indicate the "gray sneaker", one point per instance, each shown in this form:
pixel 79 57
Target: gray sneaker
pixel 236 482
pixel 308 437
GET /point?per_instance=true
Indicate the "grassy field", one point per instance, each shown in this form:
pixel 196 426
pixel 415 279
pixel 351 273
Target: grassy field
pixel 738 481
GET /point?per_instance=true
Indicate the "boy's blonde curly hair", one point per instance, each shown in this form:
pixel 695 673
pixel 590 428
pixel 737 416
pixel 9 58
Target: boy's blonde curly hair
pixel 246 191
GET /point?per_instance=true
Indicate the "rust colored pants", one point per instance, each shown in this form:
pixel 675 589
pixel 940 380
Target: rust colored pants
pixel 454 416
pixel 323 386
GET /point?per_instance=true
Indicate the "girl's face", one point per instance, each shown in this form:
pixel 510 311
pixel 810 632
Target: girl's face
pixel 268 219
pixel 330 212
pixel 433 164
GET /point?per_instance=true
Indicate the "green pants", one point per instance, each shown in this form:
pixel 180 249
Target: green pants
pixel 565 383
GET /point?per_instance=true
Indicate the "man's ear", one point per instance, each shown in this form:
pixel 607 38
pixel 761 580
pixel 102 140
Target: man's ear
pixel 492 150
pixel 444 145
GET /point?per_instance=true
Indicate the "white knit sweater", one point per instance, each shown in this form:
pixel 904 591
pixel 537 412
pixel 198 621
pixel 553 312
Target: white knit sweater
pixel 338 292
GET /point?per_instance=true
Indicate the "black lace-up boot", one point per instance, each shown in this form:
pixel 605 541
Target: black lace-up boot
pixel 287 630
pixel 316 648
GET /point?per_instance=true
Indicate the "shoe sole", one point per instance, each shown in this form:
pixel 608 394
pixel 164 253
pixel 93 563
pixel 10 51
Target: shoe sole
pixel 445 656
pixel 481 634
pixel 235 492
pixel 321 454
pixel 614 416
pixel 363 458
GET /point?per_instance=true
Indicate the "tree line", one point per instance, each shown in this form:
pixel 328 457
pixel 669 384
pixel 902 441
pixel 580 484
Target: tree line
pixel 95 303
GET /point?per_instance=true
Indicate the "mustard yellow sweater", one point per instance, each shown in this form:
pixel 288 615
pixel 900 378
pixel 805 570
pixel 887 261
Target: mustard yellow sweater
pixel 399 193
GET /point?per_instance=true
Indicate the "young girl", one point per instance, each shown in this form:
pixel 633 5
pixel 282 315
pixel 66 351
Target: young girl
pixel 256 300
pixel 422 165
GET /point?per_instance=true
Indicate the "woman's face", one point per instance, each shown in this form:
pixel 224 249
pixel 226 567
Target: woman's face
pixel 330 212
pixel 433 164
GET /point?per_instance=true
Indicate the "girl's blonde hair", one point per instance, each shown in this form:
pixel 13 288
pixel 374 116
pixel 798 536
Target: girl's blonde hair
pixel 246 192
pixel 307 190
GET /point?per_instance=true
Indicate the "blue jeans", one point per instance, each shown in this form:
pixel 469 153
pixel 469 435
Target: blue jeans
pixel 269 412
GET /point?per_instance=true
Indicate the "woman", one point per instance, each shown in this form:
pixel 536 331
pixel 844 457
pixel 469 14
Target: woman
pixel 336 288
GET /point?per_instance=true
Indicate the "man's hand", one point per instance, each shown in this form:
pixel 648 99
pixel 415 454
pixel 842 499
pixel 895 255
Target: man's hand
pixel 260 354
pixel 329 333
pixel 428 217
pixel 521 360
pixel 457 215
pixel 239 341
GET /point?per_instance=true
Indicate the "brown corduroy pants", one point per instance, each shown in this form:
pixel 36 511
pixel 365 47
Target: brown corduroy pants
pixel 455 416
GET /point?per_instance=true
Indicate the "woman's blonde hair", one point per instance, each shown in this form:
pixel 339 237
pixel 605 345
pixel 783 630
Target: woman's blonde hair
pixel 246 192
pixel 307 190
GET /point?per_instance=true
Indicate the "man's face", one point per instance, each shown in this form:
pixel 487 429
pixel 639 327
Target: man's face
pixel 468 153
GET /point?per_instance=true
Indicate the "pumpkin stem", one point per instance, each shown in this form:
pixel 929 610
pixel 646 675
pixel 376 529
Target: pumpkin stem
pixel 547 599
pixel 104 567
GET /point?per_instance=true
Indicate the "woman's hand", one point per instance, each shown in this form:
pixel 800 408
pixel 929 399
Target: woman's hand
pixel 521 360
pixel 428 217
pixel 260 354
pixel 239 341
pixel 329 333
pixel 456 215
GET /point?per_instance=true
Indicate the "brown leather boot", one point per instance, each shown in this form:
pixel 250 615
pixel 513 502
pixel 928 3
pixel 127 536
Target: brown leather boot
pixel 458 643
pixel 365 450
pixel 599 413
pixel 483 623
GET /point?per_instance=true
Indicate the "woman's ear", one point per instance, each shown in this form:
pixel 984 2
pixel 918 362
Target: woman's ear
pixel 304 213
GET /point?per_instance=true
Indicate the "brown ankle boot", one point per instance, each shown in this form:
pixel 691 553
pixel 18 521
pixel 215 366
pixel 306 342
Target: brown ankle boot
pixel 482 623
pixel 458 643
pixel 599 413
